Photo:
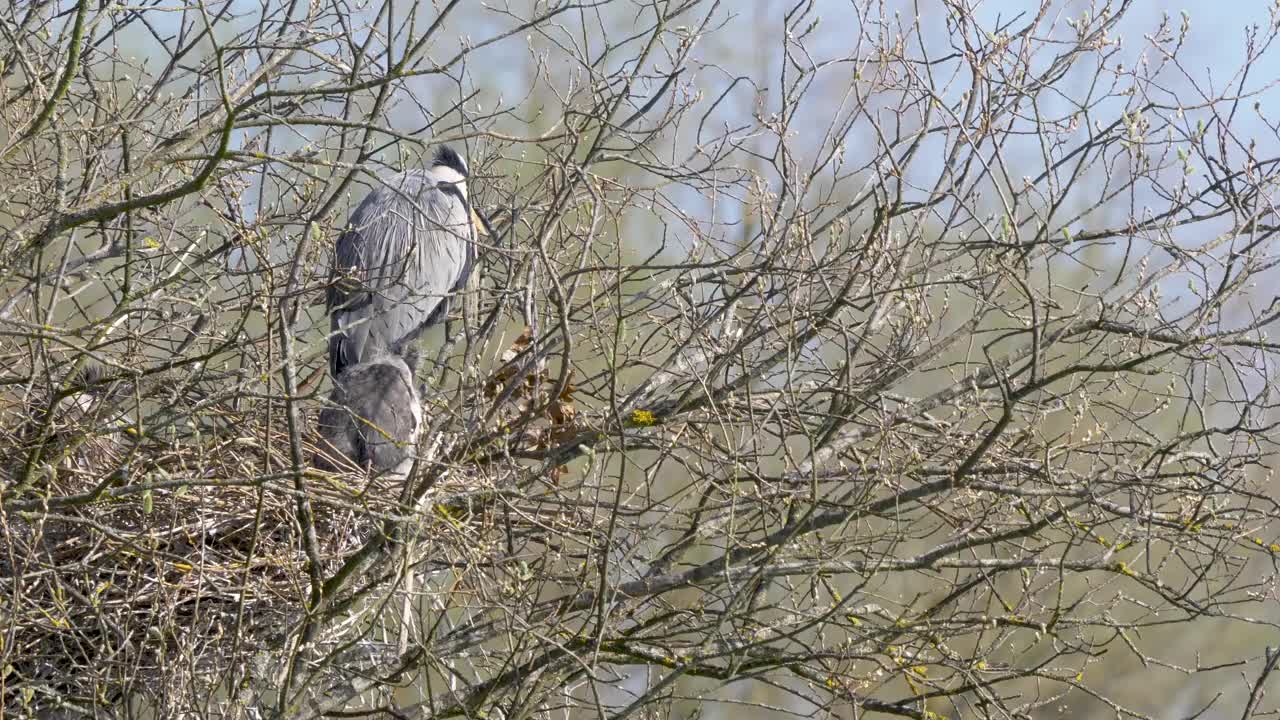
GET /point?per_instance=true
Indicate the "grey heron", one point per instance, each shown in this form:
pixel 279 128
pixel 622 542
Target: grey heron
pixel 409 247
pixel 374 418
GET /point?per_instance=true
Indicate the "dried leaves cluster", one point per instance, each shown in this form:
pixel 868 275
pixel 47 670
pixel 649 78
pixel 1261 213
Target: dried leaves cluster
pixel 524 396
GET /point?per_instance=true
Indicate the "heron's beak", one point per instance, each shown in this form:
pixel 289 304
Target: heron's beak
pixel 481 225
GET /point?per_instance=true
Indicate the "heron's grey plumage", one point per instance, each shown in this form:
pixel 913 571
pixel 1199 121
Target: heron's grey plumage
pixel 374 417
pixel 409 246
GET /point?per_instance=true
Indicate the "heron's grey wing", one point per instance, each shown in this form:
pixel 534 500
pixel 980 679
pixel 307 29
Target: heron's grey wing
pixel 376 415
pixel 349 295
pixel 347 300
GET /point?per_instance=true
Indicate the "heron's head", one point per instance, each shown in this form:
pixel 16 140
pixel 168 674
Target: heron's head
pixel 448 166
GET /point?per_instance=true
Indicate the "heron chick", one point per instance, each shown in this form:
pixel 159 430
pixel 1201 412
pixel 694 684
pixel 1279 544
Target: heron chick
pixel 409 247
pixel 374 417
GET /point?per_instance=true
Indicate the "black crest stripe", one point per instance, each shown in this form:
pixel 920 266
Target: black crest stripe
pixel 448 157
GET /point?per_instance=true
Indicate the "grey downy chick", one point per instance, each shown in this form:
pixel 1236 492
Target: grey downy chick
pixel 373 419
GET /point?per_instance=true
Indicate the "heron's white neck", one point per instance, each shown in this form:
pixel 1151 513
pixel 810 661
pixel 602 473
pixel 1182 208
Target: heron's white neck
pixel 443 173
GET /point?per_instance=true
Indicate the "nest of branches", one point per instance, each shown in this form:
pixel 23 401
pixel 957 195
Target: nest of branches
pixel 141 558
pixel 127 548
